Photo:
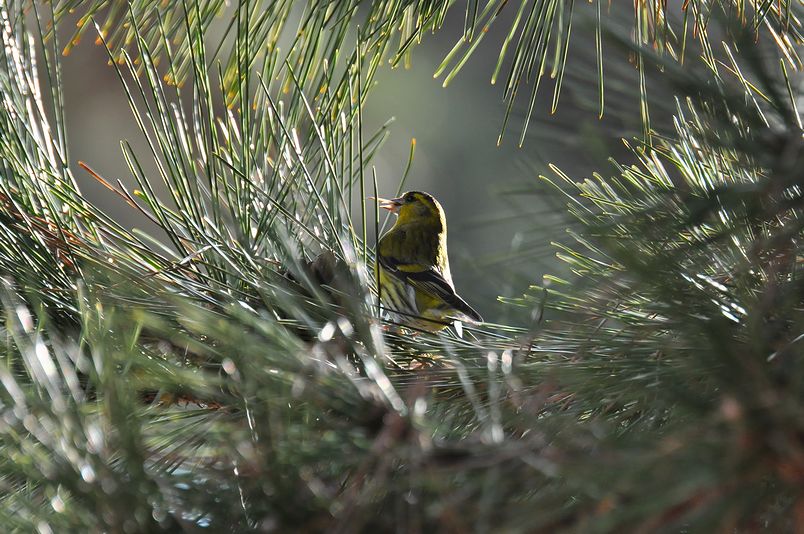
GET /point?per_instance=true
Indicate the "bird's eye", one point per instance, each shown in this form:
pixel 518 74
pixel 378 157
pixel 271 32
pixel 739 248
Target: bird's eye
pixel 409 197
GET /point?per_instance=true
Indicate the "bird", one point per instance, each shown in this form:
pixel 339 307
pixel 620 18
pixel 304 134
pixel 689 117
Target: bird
pixel 415 283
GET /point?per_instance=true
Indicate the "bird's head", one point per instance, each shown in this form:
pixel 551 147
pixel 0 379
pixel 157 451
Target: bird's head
pixel 415 207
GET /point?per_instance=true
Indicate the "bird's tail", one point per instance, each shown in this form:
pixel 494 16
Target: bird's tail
pixel 467 313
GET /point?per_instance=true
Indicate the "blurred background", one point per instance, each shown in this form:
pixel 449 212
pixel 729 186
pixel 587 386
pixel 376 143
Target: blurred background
pixel 501 217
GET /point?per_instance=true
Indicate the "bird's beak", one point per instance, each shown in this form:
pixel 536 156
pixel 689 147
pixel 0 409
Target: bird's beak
pixel 391 205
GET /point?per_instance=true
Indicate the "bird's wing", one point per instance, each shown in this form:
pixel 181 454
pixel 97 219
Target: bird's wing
pixel 429 280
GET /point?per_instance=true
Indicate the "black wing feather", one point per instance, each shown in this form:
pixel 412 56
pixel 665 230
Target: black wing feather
pixel 433 282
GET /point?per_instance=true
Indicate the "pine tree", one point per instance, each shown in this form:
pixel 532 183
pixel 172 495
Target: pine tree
pixel 237 376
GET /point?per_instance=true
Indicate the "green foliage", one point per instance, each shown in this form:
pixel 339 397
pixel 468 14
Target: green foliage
pixel 236 377
pixel 536 43
pixel 688 283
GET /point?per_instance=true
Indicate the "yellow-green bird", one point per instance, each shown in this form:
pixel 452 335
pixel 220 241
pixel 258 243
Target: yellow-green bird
pixel 415 282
